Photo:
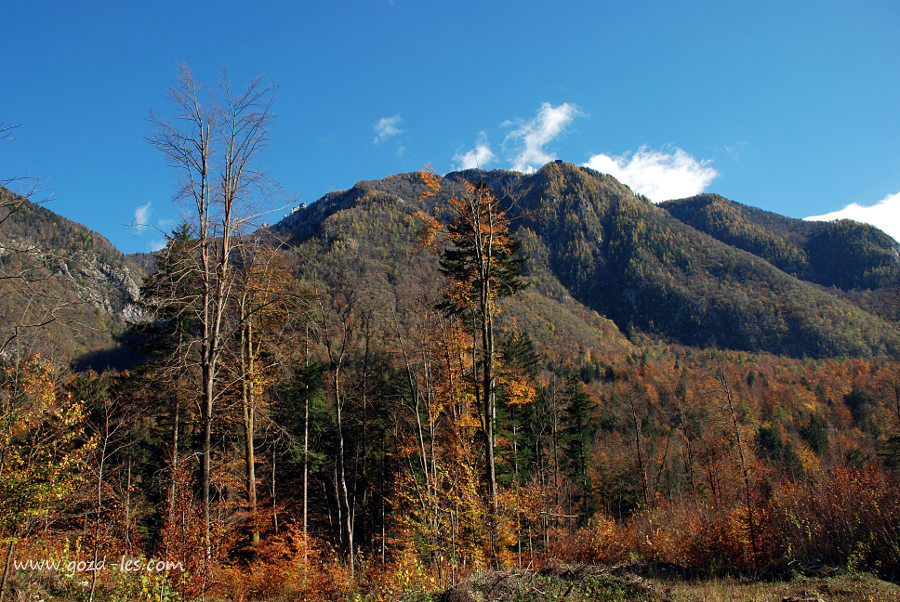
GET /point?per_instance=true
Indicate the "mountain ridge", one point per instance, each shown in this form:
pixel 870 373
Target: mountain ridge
pixel 605 265
pixel 591 238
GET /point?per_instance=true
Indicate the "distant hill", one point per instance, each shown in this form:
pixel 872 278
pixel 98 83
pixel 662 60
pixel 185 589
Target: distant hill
pixel 593 244
pixel 59 272
pixel 845 254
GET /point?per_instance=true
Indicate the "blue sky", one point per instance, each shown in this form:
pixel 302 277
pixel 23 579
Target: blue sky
pixel 789 106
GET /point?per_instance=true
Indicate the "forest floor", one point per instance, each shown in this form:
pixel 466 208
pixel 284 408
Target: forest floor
pixel 640 582
pixel 573 583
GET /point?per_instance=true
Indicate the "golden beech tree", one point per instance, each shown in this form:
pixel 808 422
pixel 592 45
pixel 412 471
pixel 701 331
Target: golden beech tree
pixel 480 260
pixel 438 492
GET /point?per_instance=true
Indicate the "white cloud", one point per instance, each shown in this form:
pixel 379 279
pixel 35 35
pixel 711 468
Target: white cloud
pixel 156 244
pixel 658 175
pixel 478 157
pixel 531 137
pixel 885 214
pixel 142 216
pixel 387 127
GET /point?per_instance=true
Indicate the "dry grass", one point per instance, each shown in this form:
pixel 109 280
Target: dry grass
pixel 620 583
pixel 847 586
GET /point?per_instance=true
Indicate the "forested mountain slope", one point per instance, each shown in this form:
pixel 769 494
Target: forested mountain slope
pixel 703 271
pixel 366 239
pixel 591 242
pixel 64 276
pixel 844 253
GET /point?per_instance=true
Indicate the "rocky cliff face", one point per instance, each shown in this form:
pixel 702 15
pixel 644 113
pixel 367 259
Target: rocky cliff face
pixel 108 288
pixel 65 290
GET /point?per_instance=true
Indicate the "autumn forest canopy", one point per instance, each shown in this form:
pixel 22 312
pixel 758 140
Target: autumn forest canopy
pixel 423 379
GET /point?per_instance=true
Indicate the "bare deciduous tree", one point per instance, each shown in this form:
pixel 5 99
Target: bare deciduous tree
pixel 214 139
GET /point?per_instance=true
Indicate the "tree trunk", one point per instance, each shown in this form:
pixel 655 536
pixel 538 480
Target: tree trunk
pixel 249 407
pixel 6 567
pixel 344 494
pixel 99 510
pixel 306 443
pixel 173 484
pixel 128 505
pixel 274 504
pixel 206 442
pixel 489 400
pixel 206 407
